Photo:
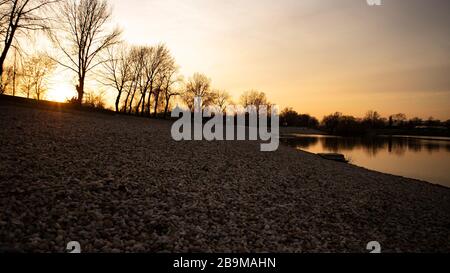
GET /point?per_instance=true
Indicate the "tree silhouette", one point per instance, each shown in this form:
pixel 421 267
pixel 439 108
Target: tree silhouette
pixel 374 120
pixel 289 117
pixel 136 67
pixel 7 80
pixel 169 80
pixel 399 119
pixel 35 74
pixel 19 17
pixel 143 73
pixel 81 34
pixel 254 97
pixel 222 99
pixel 11 74
pixel 198 85
pixel 117 71
pixel 148 63
pixel 164 69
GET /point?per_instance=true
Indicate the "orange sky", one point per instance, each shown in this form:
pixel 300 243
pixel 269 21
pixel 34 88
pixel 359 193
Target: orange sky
pixel 318 56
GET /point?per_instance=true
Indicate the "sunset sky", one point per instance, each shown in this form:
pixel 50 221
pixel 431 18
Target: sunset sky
pixel 318 56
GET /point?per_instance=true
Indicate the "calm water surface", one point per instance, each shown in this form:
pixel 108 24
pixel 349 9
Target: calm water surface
pixel 423 158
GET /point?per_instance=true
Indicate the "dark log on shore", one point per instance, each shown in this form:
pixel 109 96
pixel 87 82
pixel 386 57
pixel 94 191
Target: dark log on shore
pixel 334 157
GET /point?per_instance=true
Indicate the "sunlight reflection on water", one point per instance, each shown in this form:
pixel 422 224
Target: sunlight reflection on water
pixel 423 158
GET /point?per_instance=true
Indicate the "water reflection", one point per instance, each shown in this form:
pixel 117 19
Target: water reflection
pixel 423 158
pixel 371 146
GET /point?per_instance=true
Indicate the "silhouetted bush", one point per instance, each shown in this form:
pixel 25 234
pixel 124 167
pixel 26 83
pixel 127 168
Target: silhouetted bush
pixel 289 117
pixel 339 124
pixel 94 100
pixel 73 100
pixel 373 120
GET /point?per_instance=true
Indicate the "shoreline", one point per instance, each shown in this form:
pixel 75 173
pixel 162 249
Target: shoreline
pixel 360 144
pixel 367 169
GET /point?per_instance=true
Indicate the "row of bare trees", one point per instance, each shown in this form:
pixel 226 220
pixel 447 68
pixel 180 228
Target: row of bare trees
pixel 29 77
pixel 145 78
pixel 199 85
pixel 35 74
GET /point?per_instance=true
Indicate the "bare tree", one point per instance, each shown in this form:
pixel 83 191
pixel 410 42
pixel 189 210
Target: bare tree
pixel 16 66
pixel 82 34
pixel 11 74
pixel 26 86
pixel 145 75
pixel 117 71
pixel 148 68
pixel 136 68
pixel 18 17
pixel 155 60
pixel 222 99
pixel 254 97
pixel 165 76
pixel 141 77
pixel 198 86
pixel 373 119
pixel 35 74
pixel 399 119
pixel 169 90
pixel 7 80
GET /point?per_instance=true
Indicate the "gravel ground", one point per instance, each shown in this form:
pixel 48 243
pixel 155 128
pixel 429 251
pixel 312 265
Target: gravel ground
pixel 121 184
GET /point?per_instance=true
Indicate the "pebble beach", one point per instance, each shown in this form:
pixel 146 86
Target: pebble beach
pixel 120 183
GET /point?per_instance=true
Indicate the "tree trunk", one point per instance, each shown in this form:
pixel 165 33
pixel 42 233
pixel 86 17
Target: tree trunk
pixel 155 111
pixel 80 90
pixel 2 61
pixel 139 104
pixel 132 99
pixel 126 100
pixel 118 101
pixel 6 48
pixel 1 70
pixel 149 98
pixel 143 103
pixel 14 73
pixel 3 58
pixel 166 108
pixel 130 109
pixel 125 104
pixel 37 91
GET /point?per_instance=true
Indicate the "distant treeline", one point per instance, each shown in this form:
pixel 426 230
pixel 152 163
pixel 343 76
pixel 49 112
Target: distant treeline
pixel 372 123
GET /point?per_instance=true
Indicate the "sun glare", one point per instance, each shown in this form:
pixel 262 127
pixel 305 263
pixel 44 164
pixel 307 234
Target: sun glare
pixel 61 92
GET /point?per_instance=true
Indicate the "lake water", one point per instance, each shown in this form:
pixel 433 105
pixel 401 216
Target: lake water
pixel 423 158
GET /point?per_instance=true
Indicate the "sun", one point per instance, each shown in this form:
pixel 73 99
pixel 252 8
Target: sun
pixel 61 92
